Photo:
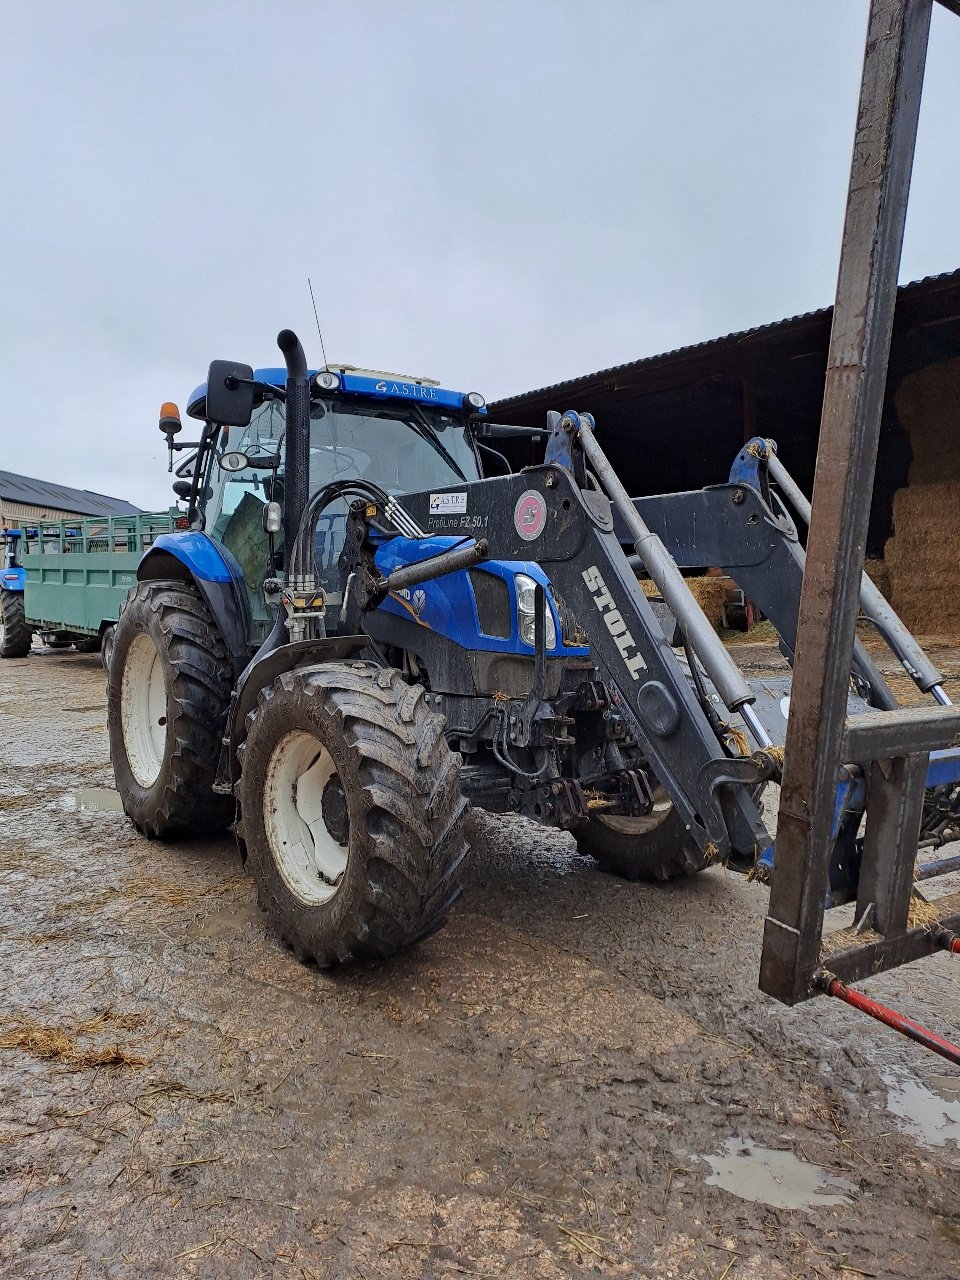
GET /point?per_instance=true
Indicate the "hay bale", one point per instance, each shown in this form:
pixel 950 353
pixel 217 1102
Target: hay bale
pixel 709 593
pixel 879 574
pixel 923 557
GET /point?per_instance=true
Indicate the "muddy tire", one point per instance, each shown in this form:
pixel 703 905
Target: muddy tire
pixel 168 690
pixel 351 817
pixel 15 636
pixel 655 847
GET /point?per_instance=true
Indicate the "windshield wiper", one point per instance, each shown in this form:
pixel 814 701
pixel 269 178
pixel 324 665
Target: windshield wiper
pixel 429 433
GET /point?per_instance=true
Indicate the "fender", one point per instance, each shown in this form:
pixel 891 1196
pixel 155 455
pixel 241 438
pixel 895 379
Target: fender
pixel 14 578
pixel 195 557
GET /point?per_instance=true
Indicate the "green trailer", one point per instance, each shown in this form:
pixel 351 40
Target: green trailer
pixel 65 580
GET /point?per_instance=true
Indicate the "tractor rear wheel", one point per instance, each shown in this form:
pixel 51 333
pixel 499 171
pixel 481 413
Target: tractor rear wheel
pixel 15 636
pixel 351 817
pixel 656 846
pixel 168 691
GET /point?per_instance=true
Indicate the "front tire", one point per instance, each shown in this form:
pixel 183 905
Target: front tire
pixel 654 847
pixel 168 691
pixel 15 636
pixel 351 812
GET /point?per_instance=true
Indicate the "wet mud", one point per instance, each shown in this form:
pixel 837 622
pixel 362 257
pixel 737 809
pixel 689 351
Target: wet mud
pixel 576 1077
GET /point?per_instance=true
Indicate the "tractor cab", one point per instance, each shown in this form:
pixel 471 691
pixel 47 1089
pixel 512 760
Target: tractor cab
pixel 399 433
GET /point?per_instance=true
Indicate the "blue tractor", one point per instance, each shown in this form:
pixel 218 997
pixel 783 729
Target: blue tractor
pixel 247 687
pixel 354 634
pixel 16 636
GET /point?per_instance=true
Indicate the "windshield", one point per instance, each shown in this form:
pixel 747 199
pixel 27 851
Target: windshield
pixel 391 446
pixel 388 446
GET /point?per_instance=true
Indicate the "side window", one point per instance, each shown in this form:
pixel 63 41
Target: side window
pixel 234 513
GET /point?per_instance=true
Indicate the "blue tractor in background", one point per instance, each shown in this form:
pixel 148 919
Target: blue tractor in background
pixel 16 636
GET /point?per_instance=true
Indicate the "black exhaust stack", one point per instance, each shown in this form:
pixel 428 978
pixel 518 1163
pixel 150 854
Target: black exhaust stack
pixel 297 482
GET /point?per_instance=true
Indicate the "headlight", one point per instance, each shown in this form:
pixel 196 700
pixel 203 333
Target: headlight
pixel 474 399
pixel 526 613
pixel 326 381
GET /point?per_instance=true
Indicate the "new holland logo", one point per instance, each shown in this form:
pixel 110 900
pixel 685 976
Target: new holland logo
pixel 614 619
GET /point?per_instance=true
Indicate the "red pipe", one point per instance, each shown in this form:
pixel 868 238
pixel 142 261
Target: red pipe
pixel 890 1017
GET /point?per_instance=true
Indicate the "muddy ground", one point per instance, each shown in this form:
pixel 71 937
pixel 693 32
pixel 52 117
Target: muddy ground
pixel 536 1091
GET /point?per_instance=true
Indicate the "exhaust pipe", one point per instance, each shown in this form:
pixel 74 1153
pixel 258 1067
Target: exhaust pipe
pixel 297 479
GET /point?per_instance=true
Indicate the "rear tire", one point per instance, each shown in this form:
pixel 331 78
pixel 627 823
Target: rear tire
pixel 15 636
pixel 351 816
pixel 168 691
pixel 655 847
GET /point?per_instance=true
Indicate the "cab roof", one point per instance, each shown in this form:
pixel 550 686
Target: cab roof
pixel 353 381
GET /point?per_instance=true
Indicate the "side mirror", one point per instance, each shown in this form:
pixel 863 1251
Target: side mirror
pixel 182 488
pixel 229 393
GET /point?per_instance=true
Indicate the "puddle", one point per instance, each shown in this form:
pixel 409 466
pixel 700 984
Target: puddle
pixel 776 1178
pixel 103 799
pixel 226 924
pixel 931 1119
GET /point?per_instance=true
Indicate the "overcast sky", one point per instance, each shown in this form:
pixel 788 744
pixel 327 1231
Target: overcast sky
pixel 499 195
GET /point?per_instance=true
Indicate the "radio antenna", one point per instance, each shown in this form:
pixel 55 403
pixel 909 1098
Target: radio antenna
pixel 317 318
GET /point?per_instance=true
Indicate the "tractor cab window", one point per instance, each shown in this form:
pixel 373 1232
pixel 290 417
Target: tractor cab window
pixel 388 445
pixel 399 449
pixel 234 512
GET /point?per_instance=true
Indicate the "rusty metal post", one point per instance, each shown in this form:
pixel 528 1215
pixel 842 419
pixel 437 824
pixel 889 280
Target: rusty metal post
pixel 846 459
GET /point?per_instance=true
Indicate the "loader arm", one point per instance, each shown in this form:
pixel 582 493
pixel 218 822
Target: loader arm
pixel 543 514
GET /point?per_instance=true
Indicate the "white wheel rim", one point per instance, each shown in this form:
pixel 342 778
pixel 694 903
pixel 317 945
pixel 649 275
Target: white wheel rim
pixel 662 808
pixel 143 710
pixel 307 854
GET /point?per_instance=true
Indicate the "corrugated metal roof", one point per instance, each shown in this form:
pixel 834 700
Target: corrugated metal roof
pixel 699 347
pixel 60 497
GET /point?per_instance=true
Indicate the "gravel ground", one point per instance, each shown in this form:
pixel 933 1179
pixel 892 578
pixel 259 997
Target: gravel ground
pixel 576 1077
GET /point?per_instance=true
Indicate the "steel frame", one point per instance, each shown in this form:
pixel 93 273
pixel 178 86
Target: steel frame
pixel 796 962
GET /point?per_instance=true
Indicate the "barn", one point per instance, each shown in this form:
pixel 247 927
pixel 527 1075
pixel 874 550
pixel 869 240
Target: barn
pixel 676 421
pixel 24 500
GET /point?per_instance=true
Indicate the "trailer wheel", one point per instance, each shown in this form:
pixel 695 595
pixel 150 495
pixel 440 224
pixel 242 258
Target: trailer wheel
pixel 15 636
pixel 106 647
pixel 90 645
pixel 168 691
pixel 654 847
pixel 350 810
